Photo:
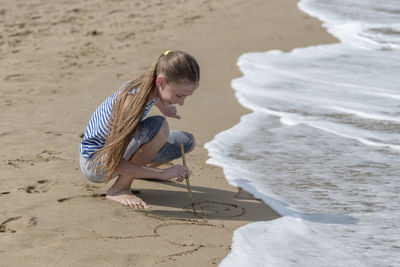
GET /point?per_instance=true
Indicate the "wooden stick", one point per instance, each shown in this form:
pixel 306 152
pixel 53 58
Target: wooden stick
pixel 187 179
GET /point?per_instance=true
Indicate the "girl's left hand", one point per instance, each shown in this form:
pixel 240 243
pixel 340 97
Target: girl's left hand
pixel 171 111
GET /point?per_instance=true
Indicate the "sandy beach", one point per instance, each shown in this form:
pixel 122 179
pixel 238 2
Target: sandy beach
pixel 59 61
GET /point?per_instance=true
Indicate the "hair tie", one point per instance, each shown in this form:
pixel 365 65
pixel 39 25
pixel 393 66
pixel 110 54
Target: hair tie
pixel 167 52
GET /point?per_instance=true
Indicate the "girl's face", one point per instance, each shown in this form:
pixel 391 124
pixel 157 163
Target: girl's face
pixel 173 93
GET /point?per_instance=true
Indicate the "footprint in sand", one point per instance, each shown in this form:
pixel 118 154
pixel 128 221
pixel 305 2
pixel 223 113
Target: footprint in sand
pixel 44 156
pixel 89 52
pixel 6 102
pixel 191 19
pixel 53 133
pixel 48 155
pixel 41 186
pixel 14 224
pixel 14 77
pixel 89 187
pixel 16 163
pixel 125 36
pixel 95 195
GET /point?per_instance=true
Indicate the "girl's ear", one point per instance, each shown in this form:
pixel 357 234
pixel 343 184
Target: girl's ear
pixel 160 80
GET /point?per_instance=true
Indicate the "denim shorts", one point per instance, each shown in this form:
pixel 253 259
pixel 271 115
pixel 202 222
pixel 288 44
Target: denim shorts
pixel 147 130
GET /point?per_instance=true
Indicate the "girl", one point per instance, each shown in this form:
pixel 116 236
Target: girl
pixel 119 141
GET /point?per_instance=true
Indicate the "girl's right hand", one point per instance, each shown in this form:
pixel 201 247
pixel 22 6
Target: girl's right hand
pixel 176 173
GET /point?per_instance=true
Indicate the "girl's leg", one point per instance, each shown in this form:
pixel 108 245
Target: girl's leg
pixel 156 164
pixel 120 191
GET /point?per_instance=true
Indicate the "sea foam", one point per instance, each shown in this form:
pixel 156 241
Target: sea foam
pixel 322 145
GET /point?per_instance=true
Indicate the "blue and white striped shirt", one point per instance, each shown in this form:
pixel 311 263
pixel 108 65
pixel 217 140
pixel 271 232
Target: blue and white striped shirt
pixel 96 131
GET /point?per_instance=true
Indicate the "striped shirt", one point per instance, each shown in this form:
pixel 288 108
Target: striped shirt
pixel 96 131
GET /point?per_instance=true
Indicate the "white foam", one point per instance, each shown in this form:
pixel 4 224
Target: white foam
pixel 320 198
pixel 356 22
pixel 273 237
pixel 366 137
pixel 321 147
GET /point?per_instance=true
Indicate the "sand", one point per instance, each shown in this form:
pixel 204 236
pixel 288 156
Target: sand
pixel 59 61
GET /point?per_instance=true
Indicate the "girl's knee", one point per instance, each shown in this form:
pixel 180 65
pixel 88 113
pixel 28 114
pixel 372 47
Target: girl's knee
pixel 193 145
pixel 163 133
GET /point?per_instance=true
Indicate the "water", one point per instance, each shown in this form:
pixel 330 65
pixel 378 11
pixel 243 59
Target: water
pixel 322 145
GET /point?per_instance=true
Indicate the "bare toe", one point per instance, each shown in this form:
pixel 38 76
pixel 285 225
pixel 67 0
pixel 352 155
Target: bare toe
pixel 126 198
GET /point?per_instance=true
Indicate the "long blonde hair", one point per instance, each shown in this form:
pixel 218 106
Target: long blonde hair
pixel 177 67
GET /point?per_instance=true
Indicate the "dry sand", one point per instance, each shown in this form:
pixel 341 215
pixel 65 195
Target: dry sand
pixel 58 61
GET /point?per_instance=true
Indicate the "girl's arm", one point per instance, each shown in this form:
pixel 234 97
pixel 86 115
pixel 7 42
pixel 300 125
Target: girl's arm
pixel 125 167
pixel 177 172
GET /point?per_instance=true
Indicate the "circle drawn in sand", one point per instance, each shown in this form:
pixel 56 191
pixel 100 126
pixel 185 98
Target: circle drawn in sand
pixel 215 209
pixel 191 234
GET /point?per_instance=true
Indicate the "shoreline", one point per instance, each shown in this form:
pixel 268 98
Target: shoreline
pixel 51 212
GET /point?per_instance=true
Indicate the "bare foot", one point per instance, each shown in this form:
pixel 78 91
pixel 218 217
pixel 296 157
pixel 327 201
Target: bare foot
pixel 126 198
